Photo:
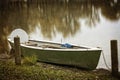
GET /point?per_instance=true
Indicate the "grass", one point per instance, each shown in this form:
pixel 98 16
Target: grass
pixel 30 70
pixel 30 60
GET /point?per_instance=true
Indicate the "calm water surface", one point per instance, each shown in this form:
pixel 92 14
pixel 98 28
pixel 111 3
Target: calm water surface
pixel 87 23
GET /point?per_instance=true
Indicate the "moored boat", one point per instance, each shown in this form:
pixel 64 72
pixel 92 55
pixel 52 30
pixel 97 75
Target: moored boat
pixel 64 54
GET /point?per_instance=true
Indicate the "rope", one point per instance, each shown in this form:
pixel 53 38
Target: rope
pixel 105 61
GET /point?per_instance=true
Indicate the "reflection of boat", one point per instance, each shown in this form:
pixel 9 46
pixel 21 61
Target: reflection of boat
pixel 64 54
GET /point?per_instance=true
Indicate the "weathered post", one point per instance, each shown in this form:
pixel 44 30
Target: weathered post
pixel 17 50
pixel 114 58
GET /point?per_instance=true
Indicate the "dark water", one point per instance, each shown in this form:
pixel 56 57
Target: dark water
pixel 90 23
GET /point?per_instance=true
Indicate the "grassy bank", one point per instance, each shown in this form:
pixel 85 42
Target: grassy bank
pixel 42 71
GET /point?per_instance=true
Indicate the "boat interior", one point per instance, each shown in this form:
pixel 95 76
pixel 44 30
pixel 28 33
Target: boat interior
pixel 52 45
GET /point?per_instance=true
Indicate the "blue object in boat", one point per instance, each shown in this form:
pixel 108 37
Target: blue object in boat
pixel 67 45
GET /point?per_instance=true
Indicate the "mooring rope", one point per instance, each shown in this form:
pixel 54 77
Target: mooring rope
pixel 105 61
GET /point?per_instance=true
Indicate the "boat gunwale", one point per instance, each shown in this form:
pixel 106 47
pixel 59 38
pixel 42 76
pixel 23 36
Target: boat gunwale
pixel 55 49
pixel 64 49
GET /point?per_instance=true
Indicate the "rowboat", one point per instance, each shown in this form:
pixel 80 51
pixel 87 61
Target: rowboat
pixel 62 54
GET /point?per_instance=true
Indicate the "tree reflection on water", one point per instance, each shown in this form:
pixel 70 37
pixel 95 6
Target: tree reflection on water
pixel 55 17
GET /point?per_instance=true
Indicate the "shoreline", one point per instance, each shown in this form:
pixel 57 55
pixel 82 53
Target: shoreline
pixel 52 72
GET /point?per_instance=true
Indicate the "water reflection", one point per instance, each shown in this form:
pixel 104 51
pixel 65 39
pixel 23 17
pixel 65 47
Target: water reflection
pixel 53 18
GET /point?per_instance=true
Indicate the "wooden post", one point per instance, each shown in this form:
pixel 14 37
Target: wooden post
pixel 17 50
pixel 114 58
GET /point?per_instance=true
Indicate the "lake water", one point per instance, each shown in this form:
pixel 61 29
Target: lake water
pixel 86 23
